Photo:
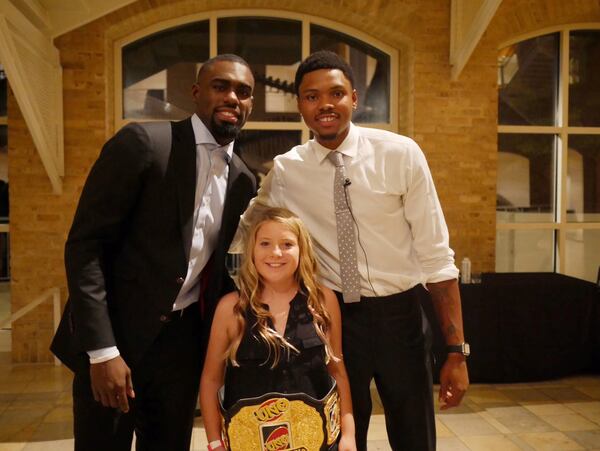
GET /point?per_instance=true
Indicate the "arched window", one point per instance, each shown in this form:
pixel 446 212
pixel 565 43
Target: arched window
pixel 157 67
pixel 548 190
pixel 4 241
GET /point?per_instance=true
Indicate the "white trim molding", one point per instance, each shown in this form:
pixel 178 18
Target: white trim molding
pixel 32 66
pixel 469 20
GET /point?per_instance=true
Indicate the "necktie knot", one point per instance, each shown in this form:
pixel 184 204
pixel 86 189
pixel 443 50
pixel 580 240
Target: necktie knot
pixel 336 158
pixel 220 153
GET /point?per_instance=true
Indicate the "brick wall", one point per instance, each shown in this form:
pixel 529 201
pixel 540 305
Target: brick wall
pixel 454 122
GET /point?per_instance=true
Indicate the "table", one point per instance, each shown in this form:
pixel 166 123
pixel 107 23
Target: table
pixel 526 327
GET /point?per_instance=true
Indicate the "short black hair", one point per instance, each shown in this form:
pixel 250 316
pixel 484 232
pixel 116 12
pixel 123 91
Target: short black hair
pixel 224 57
pixel 323 59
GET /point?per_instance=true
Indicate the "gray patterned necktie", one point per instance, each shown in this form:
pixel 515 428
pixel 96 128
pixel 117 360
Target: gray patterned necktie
pixel 345 232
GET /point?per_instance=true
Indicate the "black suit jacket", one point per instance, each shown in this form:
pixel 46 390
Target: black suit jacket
pixel 127 252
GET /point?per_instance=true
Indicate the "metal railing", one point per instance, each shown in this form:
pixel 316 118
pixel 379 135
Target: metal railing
pixel 51 293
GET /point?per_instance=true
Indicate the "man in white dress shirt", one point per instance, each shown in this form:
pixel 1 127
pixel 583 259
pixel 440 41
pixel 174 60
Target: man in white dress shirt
pixel 145 261
pixel 401 245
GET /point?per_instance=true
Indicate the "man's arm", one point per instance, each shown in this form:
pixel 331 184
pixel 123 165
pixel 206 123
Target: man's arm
pixel 110 193
pixel 454 378
pixel 431 243
pixel 265 198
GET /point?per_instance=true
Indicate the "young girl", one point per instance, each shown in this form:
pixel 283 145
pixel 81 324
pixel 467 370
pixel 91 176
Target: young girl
pixel 276 345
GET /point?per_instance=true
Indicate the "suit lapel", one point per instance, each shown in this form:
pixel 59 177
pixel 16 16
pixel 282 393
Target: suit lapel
pixel 184 159
pixel 234 172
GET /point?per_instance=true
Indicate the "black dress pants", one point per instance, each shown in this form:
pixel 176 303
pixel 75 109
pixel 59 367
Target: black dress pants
pixel 384 339
pixel 166 385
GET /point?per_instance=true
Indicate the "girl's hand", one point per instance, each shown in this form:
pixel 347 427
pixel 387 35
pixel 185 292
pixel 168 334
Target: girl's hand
pixel 347 443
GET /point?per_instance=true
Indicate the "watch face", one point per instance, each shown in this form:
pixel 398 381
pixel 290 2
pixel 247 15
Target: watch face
pixel 466 349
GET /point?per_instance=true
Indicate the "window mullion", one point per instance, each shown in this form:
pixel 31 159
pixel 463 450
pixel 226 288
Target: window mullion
pixel 563 152
pixel 213 33
pixel 305 39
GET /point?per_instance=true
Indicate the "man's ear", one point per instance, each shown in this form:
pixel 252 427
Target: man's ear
pixel 354 99
pixel 251 105
pixel 195 89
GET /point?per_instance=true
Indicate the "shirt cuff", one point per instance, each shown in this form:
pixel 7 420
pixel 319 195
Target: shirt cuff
pixel 103 354
pixel 442 275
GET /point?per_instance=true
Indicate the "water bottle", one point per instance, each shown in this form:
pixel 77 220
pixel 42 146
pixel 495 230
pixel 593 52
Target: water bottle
pixel 465 270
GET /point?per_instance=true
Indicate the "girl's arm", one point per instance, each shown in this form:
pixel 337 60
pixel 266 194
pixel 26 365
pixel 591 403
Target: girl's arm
pixel 223 326
pixel 338 371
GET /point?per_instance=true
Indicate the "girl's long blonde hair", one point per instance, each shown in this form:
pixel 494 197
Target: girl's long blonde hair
pixel 252 286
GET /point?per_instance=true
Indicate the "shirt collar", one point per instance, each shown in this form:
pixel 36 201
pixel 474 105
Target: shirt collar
pixel 348 146
pixel 205 138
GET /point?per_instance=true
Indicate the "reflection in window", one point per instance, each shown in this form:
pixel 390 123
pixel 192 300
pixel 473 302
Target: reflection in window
pixel 3 186
pixel 3 154
pixel 4 206
pixel 582 256
pixel 3 91
pixel 524 250
pixel 583 183
pixel 529 180
pixel 371 69
pixel 528 82
pixel 159 71
pixel 584 89
pixel 525 184
pixel 273 48
pixel 258 147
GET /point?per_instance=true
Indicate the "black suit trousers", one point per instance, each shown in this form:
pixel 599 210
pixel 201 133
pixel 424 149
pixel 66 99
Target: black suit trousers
pixel 384 338
pixel 166 385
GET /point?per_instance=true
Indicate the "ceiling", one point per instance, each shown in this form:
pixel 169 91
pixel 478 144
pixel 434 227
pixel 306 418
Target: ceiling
pixel 56 17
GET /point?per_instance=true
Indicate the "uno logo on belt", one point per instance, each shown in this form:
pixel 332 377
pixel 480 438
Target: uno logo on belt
pixel 271 410
pixel 278 439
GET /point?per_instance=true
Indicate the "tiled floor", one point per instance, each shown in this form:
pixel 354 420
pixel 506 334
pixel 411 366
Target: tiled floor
pixel 35 414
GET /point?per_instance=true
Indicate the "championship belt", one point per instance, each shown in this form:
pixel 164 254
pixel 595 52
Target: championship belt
pixel 276 421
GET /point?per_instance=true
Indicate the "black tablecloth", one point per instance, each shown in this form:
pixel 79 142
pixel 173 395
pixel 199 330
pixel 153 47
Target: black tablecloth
pixel 527 326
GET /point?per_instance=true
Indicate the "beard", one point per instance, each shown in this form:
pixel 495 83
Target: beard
pixel 329 137
pixel 225 131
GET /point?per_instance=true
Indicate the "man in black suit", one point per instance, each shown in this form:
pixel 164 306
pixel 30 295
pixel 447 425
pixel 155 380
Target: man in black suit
pixel 145 261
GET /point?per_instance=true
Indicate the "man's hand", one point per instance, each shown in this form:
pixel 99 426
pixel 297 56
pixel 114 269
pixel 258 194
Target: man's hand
pixel 454 381
pixel 111 383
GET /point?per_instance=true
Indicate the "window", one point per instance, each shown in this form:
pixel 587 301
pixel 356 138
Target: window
pixel 548 187
pixel 156 69
pixel 159 70
pixel 4 236
pixel 3 92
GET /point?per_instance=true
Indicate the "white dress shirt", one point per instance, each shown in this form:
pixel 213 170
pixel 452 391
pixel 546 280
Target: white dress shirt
pixel 399 219
pixel 212 170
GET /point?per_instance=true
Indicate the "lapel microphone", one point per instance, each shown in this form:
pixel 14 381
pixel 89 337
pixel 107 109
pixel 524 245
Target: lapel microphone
pixel 347 181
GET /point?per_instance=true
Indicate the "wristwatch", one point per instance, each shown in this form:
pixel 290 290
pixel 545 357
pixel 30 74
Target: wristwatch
pixel 462 348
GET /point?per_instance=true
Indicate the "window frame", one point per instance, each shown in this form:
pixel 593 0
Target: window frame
pixel 213 16
pixel 4 119
pixel 562 131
